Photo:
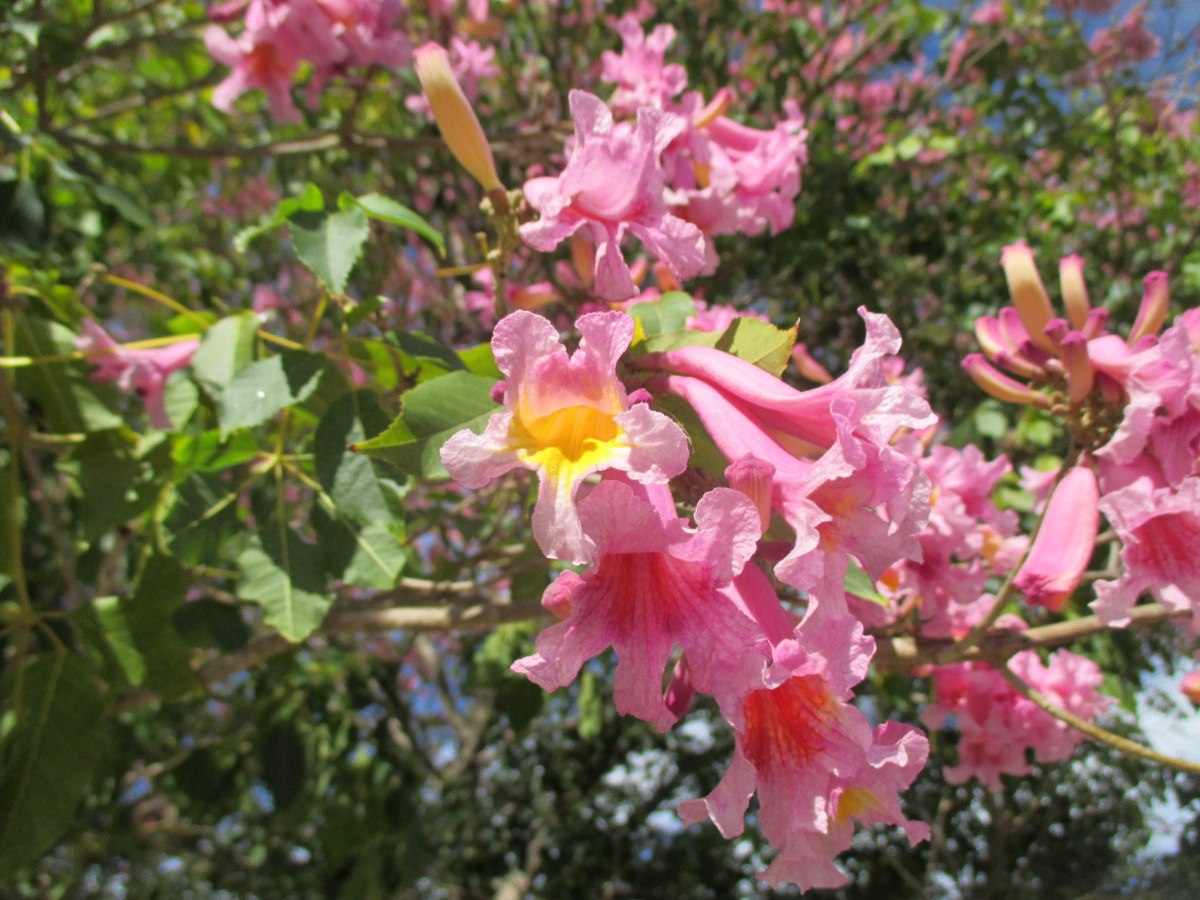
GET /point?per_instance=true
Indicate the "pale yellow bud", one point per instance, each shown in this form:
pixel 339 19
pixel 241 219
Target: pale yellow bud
pixel 455 119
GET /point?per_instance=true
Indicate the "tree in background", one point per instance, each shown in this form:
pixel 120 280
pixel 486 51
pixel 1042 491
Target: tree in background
pixel 255 638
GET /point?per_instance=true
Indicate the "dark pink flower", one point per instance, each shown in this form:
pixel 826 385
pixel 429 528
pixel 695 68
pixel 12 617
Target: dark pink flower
pixel 656 584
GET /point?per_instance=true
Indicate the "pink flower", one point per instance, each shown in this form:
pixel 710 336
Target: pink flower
pixel 279 35
pixel 566 417
pixel 613 185
pixel 139 371
pixel 837 481
pixel 997 725
pixel 1160 549
pixel 813 758
pixel 656 583
pixel 640 73
pixel 1190 686
pixel 1064 543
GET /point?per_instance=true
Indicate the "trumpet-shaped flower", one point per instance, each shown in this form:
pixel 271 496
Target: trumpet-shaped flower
pixel 565 418
pixel 1160 549
pixel 835 471
pixel 136 371
pixel 1064 543
pixel 813 758
pixel 656 583
pixel 613 184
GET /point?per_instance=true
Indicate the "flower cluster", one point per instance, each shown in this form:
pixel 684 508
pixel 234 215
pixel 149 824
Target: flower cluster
pixel 1131 404
pixel 660 586
pixel 679 174
pixel 997 725
pixel 332 36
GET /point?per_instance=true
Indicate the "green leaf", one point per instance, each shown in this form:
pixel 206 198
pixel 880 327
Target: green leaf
pixel 481 361
pixel 162 587
pixel 212 623
pixel 591 707
pixel 859 584
pixel 12 514
pixel 180 398
pixel 670 313
pixel 386 209
pixel 351 479
pixel 224 350
pixel 329 244
pixel 263 388
pixel 432 412
pixel 120 477
pixel 758 342
pixel 282 574
pixel 211 451
pixel 430 358
pixel 47 759
pixel 119 639
pixel 125 205
pixel 71 402
pixel 368 556
pixel 310 200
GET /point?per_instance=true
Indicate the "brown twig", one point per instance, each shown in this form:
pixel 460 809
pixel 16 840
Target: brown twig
pixel 1125 745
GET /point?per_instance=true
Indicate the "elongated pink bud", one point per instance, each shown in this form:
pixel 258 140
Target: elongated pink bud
pixel 1096 320
pixel 1028 293
pixel 1156 297
pixel 455 118
pixel 1064 543
pixel 680 690
pixel 990 336
pixel 1080 374
pixel 754 478
pixel 1074 289
pixel 999 385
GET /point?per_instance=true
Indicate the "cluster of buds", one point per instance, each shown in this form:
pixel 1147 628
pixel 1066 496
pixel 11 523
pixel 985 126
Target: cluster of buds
pixel 1057 356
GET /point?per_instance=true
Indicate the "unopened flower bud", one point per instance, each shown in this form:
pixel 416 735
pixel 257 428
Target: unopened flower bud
pixel 754 477
pixel 999 385
pixel 1028 293
pixel 1074 290
pixel 455 118
pixel 1156 297
pixel 1080 374
pixel 1064 543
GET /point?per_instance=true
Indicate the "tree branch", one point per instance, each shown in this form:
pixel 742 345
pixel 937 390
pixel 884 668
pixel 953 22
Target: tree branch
pixel 1125 745
pixel 900 654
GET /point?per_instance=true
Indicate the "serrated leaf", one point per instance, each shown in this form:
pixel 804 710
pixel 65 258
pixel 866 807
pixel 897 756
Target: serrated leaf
pixel 224 350
pixel 421 357
pixel 330 244
pixel 388 210
pixel 119 639
pixel 282 574
pixel 310 200
pixel 47 759
pixel 758 342
pixel 351 479
pixel 368 556
pixel 669 313
pixel 263 388
pixel 432 412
